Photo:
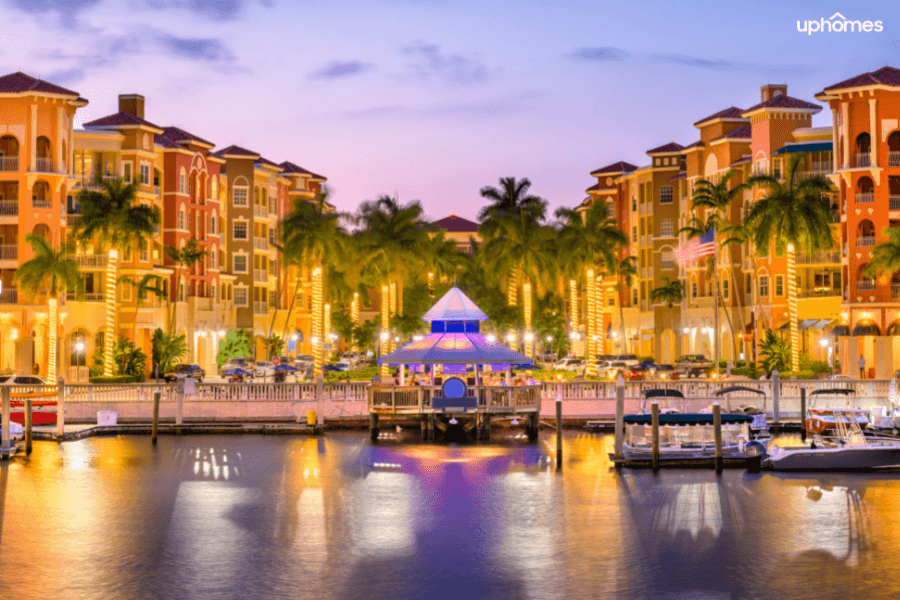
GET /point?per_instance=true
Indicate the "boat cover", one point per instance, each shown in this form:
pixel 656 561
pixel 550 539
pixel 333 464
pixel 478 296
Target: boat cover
pixel 669 419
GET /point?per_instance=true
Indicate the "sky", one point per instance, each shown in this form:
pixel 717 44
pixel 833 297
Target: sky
pixel 432 100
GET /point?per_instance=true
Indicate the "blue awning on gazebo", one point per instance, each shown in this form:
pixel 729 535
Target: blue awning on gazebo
pixel 804 147
pixel 453 349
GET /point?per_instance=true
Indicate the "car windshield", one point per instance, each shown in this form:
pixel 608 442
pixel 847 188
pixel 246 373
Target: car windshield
pixel 5 378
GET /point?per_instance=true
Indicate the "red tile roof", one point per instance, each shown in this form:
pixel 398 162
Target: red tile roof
pixel 697 144
pixel 18 82
pixel 315 176
pixel 681 175
pixel 236 151
pixel 782 101
pixel 742 132
pixel 618 167
pixel 666 148
pixel 289 167
pixel 176 135
pixel 454 224
pixel 266 161
pixel 884 76
pixel 120 119
pixel 732 112
pixel 741 161
pixel 593 188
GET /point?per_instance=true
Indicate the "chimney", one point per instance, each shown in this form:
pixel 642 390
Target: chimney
pixel 132 104
pixel 767 92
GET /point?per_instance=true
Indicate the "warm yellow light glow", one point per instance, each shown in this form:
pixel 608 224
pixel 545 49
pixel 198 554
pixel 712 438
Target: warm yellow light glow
pixel 354 318
pixel 385 324
pixel 792 307
pixel 111 272
pixel 54 331
pixel 317 320
pixel 590 330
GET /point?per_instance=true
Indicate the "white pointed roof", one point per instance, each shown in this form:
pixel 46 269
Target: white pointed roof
pixel 455 306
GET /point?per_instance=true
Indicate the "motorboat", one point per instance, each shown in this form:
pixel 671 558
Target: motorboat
pixel 820 420
pixel 760 421
pixel 849 449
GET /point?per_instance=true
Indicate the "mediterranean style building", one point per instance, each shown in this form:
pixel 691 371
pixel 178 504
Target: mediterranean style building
pixel 229 201
pixel 843 314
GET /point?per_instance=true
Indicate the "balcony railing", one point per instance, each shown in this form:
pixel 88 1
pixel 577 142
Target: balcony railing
pixel 89 181
pixel 72 220
pixel 865 197
pixel 894 202
pixel 86 297
pixel 259 307
pixel 91 261
pixel 822 292
pixel 157 190
pixel 9 251
pixel 9 208
pixel 821 167
pixel 863 241
pixel 863 160
pixel 819 258
pixel 40 203
pixel 9 296
pixel 894 159
pixel 865 284
pixel 895 291
pixel 667 265
pixel 43 164
pixel 260 243
pixel 9 163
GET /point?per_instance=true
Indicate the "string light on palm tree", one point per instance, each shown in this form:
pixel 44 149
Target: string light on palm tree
pixel 384 341
pixel 317 306
pixel 591 368
pixel 526 301
pixel 111 270
pixel 792 307
pixel 354 317
pixel 326 322
pixel 573 304
pixel 385 323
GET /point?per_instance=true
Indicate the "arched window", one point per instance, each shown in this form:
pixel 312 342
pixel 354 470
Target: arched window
pixel 865 233
pixel 44 155
pixel 212 223
pixel 865 190
pixel 40 195
pixel 182 182
pixel 863 143
pixel 42 230
pixel 864 281
pixel 181 218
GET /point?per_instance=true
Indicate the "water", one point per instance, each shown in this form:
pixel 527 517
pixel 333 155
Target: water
pixel 336 518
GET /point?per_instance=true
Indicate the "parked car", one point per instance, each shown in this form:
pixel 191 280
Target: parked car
pixel 695 365
pixel 331 369
pixel 570 364
pixel 247 364
pixel 613 370
pixel 351 357
pixel 343 365
pixel 264 368
pixel 187 370
pixel 635 373
pixel 628 359
pixel 22 380
pixel 666 372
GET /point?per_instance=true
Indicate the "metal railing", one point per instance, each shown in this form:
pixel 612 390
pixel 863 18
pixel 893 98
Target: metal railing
pixel 666 265
pixel 817 258
pixel 822 292
pixel 9 208
pixel 89 181
pixel 91 261
pixel 894 159
pixel 9 163
pixel 865 284
pixel 40 203
pixel 865 197
pixel 863 160
pixel 9 296
pixel 157 190
pixel 894 202
pixel 86 297
pixel 43 164
pixel 390 399
pixel 9 251
pixel 72 220
pixel 864 241
pixel 895 291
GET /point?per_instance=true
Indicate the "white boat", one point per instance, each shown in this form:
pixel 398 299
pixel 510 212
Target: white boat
pixel 848 450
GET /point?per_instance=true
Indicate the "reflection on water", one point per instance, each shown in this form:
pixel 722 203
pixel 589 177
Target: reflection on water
pixel 336 518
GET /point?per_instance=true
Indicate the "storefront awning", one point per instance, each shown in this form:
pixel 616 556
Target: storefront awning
pixel 805 324
pixel 867 328
pixel 804 147
pixel 840 330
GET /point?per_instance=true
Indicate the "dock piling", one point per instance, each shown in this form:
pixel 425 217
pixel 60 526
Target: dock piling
pixel 620 420
pixel 803 413
pixel 654 416
pixel 776 397
pixel 717 432
pixel 61 408
pixel 4 434
pixel 373 427
pixel 28 422
pixel 559 452
pixel 156 397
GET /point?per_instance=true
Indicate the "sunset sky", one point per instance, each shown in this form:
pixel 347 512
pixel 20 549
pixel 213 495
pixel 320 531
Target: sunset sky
pixel 433 99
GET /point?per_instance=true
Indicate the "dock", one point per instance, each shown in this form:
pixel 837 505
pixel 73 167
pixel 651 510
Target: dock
pixel 681 460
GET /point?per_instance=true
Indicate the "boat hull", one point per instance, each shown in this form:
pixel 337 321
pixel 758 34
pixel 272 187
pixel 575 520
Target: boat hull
pixel 834 459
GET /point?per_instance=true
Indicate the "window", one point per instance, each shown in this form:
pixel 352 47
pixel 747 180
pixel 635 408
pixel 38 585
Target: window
pixel 127 285
pixel 126 172
pixel 181 292
pixel 214 194
pixel 709 289
pixel 634 236
pixel 763 286
pixel 212 291
pixel 182 183
pixel 634 203
pixel 145 173
pixel 779 285
pixel 693 289
pixel 725 289
pixel 240 296
pixel 240 196
pixel 181 219
pixel 634 296
pixel 240 263
pixel 240 230
pixel 272 236
pixel 212 224
pixel 271 299
pixel 667 227
pixel 666 194
pixel 212 259
pixel 145 251
pixel 271 267
pixel 273 205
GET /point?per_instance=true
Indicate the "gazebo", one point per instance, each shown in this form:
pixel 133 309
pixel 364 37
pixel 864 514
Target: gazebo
pixel 455 344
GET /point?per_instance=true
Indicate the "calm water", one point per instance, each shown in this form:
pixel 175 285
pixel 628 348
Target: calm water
pixel 336 518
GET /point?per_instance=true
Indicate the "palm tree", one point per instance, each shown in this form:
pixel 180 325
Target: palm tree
pixel 148 284
pixel 510 200
pixel 795 213
pixel 54 271
pixel 886 255
pixel 185 258
pixel 671 292
pixel 312 236
pixel 112 218
pixel 625 272
pixel 442 259
pixel 591 240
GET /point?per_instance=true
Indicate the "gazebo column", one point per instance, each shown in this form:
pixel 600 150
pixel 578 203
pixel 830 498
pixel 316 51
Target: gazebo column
pixel 402 374
pixel 509 375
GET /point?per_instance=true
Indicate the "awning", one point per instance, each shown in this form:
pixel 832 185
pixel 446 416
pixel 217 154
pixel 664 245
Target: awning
pixel 840 330
pixel 867 328
pixel 894 328
pixel 802 325
pixel 804 147
pixel 739 388
pixel 823 324
pixel 687 419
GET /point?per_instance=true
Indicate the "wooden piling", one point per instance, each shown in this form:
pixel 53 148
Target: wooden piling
pixel 803 413
pixel 620 420
pixel 559 445
pixel 654 416
pixel 179 404
pixel 373 427
pixel 28 421
pixel 423 424
pixel 776 397
pixel 60 408
pixel 4 427
pixel 156 397
pixel 717 432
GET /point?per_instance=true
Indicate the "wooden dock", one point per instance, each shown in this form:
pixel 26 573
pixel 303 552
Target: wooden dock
pixel 681 459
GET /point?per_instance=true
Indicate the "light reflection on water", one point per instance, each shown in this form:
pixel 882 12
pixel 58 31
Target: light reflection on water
pixel 335 517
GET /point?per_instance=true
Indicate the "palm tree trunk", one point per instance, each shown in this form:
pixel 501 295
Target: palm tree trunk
pixel 274 315
pixel 792 308
pixel 591 300
pixel 385 325
pixel 354 319
pixel 112 265
pixel 52 335
pixel 317 341
pixel 622 318
pixel 175 301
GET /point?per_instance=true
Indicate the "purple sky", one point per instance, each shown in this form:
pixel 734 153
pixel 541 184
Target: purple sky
pixel 433 99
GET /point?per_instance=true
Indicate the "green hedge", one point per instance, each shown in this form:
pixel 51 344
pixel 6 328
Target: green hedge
pixel 116 379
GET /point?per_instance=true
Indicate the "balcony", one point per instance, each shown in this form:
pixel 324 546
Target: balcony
pixel 863 160
pixel 667 265
pixel 821 167
pixel 9 251
pixel 260 243
pixel 90 181
pixel 260 211
pixel 40 203
pixel 893 202
pixel 259 307
pixel 91 261
pixel 822 292
pixel 895 291
pixel 9 163
pixel 865 197
pixel 894 159
pixel 86 297
pixel 9 208
pixel 157 190
pixel 825 257
pixel 72 220
pixel 43 164
pixel 259 275
pixel 9 296
pixel 865 285
pixel 865 241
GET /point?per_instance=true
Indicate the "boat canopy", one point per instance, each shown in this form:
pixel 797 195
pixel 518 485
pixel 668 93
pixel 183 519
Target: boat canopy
pixel 739 388
pixel 836 391
pixel 663 393
pixel 670 419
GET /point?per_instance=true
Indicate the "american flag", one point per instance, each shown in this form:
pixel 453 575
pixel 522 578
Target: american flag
pixel 698 247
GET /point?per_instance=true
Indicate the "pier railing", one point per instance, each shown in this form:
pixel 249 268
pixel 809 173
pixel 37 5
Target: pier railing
pixel 390 399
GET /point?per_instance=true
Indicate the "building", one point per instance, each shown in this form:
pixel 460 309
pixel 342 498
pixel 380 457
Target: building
pixel 230 202
pixel 460 230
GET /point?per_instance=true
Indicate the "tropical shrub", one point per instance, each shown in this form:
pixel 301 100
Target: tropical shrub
pixel 167 350
pixel 235 345
pixel 775 353
pixel 128 360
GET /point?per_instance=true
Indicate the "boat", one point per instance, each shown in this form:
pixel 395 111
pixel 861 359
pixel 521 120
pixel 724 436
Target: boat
pixel 822 420
pixel 760 421
pixel 849 449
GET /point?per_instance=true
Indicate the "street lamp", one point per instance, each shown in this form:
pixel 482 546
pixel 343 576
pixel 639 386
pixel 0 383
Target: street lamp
pixel 491 338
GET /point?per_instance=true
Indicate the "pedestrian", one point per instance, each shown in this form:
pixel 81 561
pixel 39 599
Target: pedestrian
pixel 862 367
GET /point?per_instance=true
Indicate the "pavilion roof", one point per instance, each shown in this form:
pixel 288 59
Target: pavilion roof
pixel 455 306
pixel 453 349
